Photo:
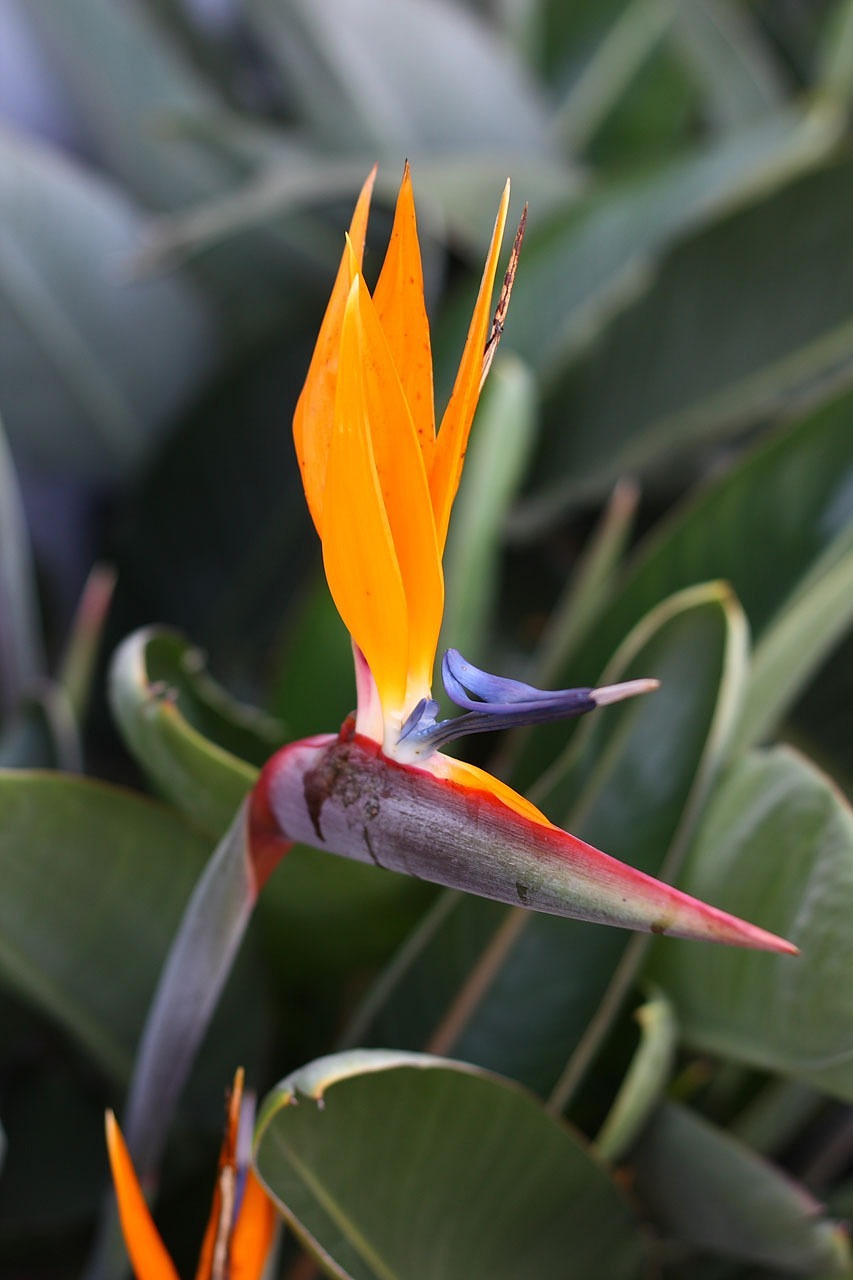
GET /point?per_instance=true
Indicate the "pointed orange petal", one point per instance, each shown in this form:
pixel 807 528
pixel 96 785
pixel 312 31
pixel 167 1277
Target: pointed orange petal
pixel 254 1232
pixel 405 495
pixel 358 550
pixel 146 1250
pixel 312 420
pixel 227 1159
pixel 399 300
pixel 468 775
pixel 452 439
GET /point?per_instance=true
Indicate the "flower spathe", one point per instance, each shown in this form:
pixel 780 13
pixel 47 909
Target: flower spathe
pixel 380 482
pixel 242 1223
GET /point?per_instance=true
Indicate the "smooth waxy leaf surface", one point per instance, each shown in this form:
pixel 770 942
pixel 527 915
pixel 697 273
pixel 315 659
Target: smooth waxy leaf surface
pixel 645 1080
pixel 91 874
pixel 363 74
pixel 777 839
pixel 709 1191
pixel 371 1154
pixel 113 361
pixel 124 114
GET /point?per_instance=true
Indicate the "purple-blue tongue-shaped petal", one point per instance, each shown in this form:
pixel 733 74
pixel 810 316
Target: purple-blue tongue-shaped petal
pixel 494 702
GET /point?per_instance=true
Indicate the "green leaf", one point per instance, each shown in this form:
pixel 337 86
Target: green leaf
pixel 200 748
pixel 200 959
pixel 605 76
pixel 764 526
pixel 91 874
pixel 400 1165
pixel 645 1080
pixel 635 791
pixel 112 361
pixel 753 308
pixel 834 77
pixel 363 75
pixel 125 82
pixel 712 1193
pixel 499 449
pixel 726 52
pixel 777 842
pixel 583 263
pixel 21 657
pixel 798 640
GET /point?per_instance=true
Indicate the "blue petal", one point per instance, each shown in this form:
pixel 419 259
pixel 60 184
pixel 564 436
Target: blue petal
pixel 497 703
pixel 498 696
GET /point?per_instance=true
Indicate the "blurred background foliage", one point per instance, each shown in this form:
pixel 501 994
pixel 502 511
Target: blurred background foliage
pixel 672 407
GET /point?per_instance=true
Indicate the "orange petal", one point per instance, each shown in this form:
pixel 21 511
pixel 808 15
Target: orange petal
pixel 399 299
pixel 227 1160
pixel 146 1250
pixel 405 495
pixel 468 775
pixel 452 439
pixel 358 549
pixel 254 1232
pixel 312 420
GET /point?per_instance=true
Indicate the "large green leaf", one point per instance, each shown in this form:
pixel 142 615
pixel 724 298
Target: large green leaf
pixel 712 1193
pixel 752 308
pixel 126 83
pixel 777 840
pixel 400 1165
pixel 110 360
pixel 91 875
pixel 633 791
pixel 364 76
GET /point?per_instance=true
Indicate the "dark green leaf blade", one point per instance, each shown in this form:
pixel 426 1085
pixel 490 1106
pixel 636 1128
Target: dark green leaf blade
pixel 90 874
pixel 778 839
pixel 709 1191
pixel 380 1151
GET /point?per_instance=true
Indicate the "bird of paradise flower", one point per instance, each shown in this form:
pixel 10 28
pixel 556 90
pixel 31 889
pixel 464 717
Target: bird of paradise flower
pixel 380 482
pixel 242 1223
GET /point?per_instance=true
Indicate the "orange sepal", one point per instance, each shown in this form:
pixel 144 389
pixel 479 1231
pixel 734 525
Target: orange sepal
pixel 359 557
pixel 405 493
pixel 253 1233
pixel 452 439
pixel 145 1248
pixel 399 301
pixel 468 775
pixel 312 419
